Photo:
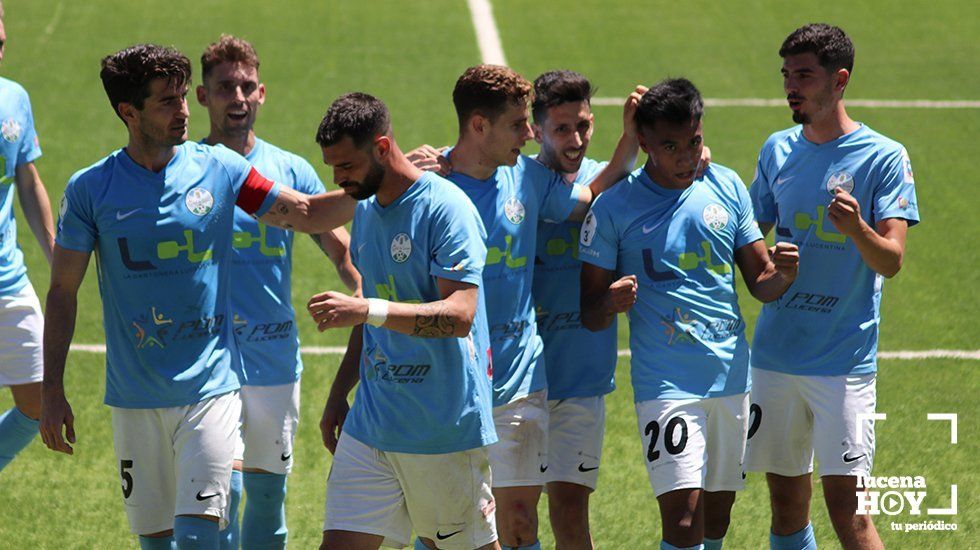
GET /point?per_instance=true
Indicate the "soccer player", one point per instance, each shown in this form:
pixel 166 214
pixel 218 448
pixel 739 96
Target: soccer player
pixel 264 320
pixel 845 195
pixel 513 193
pixel 413 450
pixel 159 214
pixel 662 245
pixel 21 365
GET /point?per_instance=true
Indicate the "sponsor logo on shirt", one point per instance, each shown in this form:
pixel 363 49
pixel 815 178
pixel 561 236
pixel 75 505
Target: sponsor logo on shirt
pixel 262 332
pixel 495 255
pixel 682 327
pixel 401 248
pixel 564 320
pixel 715 216
pixel 158 329
pixel 514 210
pixel 242 240
pixel 558 246
pixel 804 221
pixel 807 301
pixel 199 201
pixel 165 250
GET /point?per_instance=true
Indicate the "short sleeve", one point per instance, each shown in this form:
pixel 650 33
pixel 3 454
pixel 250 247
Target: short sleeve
pixel 894 195
pixel 307 180
pixel 747 231
pixel 30 147
pixel 76 220
pixel 761 191
pixel 598 237
pixel 556 198
pixel 254 193
pixel 458 249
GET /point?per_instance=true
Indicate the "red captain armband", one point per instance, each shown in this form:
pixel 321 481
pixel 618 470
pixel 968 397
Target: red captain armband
pixel 253 192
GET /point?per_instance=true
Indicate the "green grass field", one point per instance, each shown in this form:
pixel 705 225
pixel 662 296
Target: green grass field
pixel 410 55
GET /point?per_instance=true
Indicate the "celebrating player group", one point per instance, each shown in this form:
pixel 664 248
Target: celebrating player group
pixel 482 293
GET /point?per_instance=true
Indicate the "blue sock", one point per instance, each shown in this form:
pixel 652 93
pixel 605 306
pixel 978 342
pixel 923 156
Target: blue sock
pixel 16 432
pixel 419 545
pixel 264 521
pixel 535 546
pixel 713 544
pixel 229 535
pixel 192 533
pixel 664 545
pixel 800 540
pixel 157 543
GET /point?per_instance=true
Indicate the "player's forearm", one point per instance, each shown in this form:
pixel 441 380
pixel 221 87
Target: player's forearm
pixel 595 315
pixel 348 374
pixel 769 285
pixel 336 245
pixel 620 165
pixel 310 213
pixel 449 318
pixel 883 255
pixel 59 327
pixel 37 208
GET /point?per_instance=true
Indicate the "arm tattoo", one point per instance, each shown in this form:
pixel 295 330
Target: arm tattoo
pixel 433 321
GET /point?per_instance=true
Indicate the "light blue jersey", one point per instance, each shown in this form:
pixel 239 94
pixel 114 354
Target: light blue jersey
pixel 264 319
pixel 511 202
pixel 421 395
pixel 579 362
pixel 687 336
pixel 826 324
pixel 160 240
pixel 18 146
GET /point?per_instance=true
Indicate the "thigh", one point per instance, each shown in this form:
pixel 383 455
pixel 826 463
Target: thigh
pixel 575 430
pixel 448 497
pixel 780 426
pixel 142 439
pixel 843 430
pixel 674 447
pixel 728 423
pixel 364 495
pixel 520 456
pixel 21 333
pixel 204 447
pixel 270 415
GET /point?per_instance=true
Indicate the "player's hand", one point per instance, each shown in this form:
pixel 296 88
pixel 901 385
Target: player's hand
pixel 332 422
pixel 629 111
pixel 55 413
pixel 335 309
pixel 430 159
pixel 621 295
pixel 786 257
pixel 845 213
pixel 704 162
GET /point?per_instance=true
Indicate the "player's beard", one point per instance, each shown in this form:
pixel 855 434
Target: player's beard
pixel 372 182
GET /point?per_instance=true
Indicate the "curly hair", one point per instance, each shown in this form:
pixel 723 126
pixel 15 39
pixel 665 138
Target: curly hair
pixel 833 48
pixel 127 74
pixel 487 90
pixel 228 49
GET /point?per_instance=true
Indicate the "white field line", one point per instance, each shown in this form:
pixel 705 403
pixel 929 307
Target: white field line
pixel 906 355
pixel 491 51
pixel 874 103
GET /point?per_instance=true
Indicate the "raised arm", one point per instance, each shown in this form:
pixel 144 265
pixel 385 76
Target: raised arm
pixel 37 208
pixel 309 213
pixel 336 245
pixel 601 299
pixel 768 272
pixel 452 316
pixel 67 271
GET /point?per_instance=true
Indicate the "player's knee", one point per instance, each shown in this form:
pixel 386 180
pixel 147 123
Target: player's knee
pixel 716 523
pixel 519 522
pixel 569 518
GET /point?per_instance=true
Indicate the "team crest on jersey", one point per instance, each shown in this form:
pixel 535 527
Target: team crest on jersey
pixel 514 210
pixel 842 179
pixel 11 130
pixel 587 233
pixel 199 201
pixel 907 167
pixel 401 248
pixel 715 216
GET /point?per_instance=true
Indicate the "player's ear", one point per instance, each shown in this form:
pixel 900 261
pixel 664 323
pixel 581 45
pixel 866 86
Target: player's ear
pixel 128 112
pixel 261 93
pixel 382 146
pixel 642 139
pixel 538 132
pixel 841 78
pixel 202 95
pixel 479 124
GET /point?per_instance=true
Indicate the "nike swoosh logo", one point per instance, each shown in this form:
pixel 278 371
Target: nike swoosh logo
pixel 780 181
pixel 284 457
pixel 123 215
pixel 648 229
pixel 582 468
pixel 205 497
pixel 849 459
pixel 543 468
pixel 440 536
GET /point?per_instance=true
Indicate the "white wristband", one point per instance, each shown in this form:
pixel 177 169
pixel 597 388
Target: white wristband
pixel 377 312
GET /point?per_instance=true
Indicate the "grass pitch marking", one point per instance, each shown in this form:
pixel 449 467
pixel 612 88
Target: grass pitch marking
pixel 873 103
pixel 902 355
pixel 487 37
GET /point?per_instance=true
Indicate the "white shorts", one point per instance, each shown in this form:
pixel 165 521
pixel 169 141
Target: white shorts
pixel 795 417
pixel 444 497
pixel 575 429
pixel 694 443
pixel 270 415
pixel 21 333
pixel 175 461
pixel 519 458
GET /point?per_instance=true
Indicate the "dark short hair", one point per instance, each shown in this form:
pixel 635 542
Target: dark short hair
pixel 674 100
pixel 127 74
pixel 228 49
pixel 555 88
pixel 833 48
pixel 488 89
pixel 360 116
